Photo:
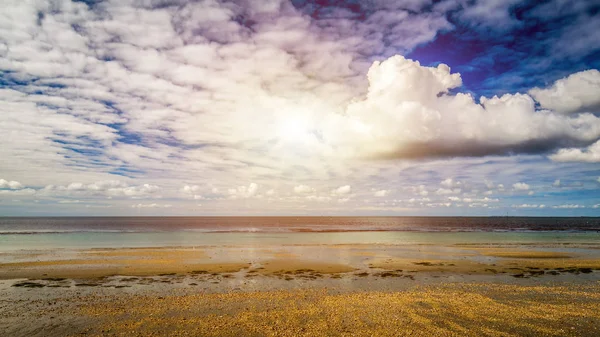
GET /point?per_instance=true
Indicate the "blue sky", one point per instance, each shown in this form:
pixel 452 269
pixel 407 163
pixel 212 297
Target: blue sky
pixel 417 107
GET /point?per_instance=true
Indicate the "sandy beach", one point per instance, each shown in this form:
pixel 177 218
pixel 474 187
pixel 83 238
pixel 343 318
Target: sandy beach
pixel 290 290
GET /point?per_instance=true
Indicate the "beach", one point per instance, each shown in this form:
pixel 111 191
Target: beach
pixel 312 284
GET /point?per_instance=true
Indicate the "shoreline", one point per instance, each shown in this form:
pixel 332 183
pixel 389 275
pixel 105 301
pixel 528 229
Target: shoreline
pixel 337 260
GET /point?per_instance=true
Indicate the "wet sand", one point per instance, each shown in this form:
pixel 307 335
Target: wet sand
pixel 303 290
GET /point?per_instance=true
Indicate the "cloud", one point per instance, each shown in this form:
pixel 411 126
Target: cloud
pixel 575 93
pixel 381 193
pixel 569 206
pixel 243 192
pixel 419 200
pixel 154 205
pixel 478 200
pixel 520 187
pixel 22 192
pixel 529 206
pixel 450 183
pixel 409 112
pixel 342 190
pixel 420 190
pixel 193 191
pixel 303 189
pixel 109 188
pixel 190 189
pixel 13 185
pixel 144 97
pixel 492 15
pixel 445 191
pixel 590 154
pixel 318 198
pixel 69 201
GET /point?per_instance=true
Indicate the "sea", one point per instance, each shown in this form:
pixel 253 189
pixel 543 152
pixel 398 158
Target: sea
pixel 30 233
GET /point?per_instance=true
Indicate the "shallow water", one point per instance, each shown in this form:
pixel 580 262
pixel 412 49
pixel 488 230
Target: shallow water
pixel 114 232
pixel 9 242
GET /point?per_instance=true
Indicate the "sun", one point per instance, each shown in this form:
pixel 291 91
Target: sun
pixel 294 130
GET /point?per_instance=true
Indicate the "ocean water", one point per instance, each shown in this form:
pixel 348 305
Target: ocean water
pixel 110 232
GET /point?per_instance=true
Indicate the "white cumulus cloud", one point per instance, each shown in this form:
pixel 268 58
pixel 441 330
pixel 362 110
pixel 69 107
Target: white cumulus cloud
pixel 409 112
pixel 342 190
pixel 520 186
pixel 590 154
pixel 575 93
pixel 13 185
pixel 303 189
pixel 381 193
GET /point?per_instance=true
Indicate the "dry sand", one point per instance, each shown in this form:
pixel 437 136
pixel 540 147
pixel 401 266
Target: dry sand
pixel 470 309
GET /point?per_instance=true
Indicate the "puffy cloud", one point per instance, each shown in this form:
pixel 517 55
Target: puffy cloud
pixel 69 201
pixel 529 206
pixel 13 185
pixel 442 204
pixel 110 188
pixel 576 93
pixel 381 193
pixel 342 190
pixel 420 190
pixel 476 200
pixel 409 112
pixel 318 198
pixel 22 192
pixel 153 205
pixel 450 183
pixel 419 200
pixel 445 191
pixel 520 186
pixel 303 189
pixel 590 154
pixel 569 206
pixel 190 189
pixel 243 191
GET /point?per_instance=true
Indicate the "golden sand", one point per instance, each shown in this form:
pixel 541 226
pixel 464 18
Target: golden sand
pixel 155 253
pixel 554 263
pixel 448 310
pixel 521 254
pixel 294 265
pixel 416 265
pixel 102 268
pixel 151 261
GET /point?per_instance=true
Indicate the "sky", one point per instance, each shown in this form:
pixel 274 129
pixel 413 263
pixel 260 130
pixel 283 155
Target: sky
pixel 295 107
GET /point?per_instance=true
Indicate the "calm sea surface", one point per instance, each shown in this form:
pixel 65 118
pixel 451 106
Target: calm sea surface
pixel 87 232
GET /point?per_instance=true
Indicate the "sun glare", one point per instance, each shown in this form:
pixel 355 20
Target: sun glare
pixel 294 130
